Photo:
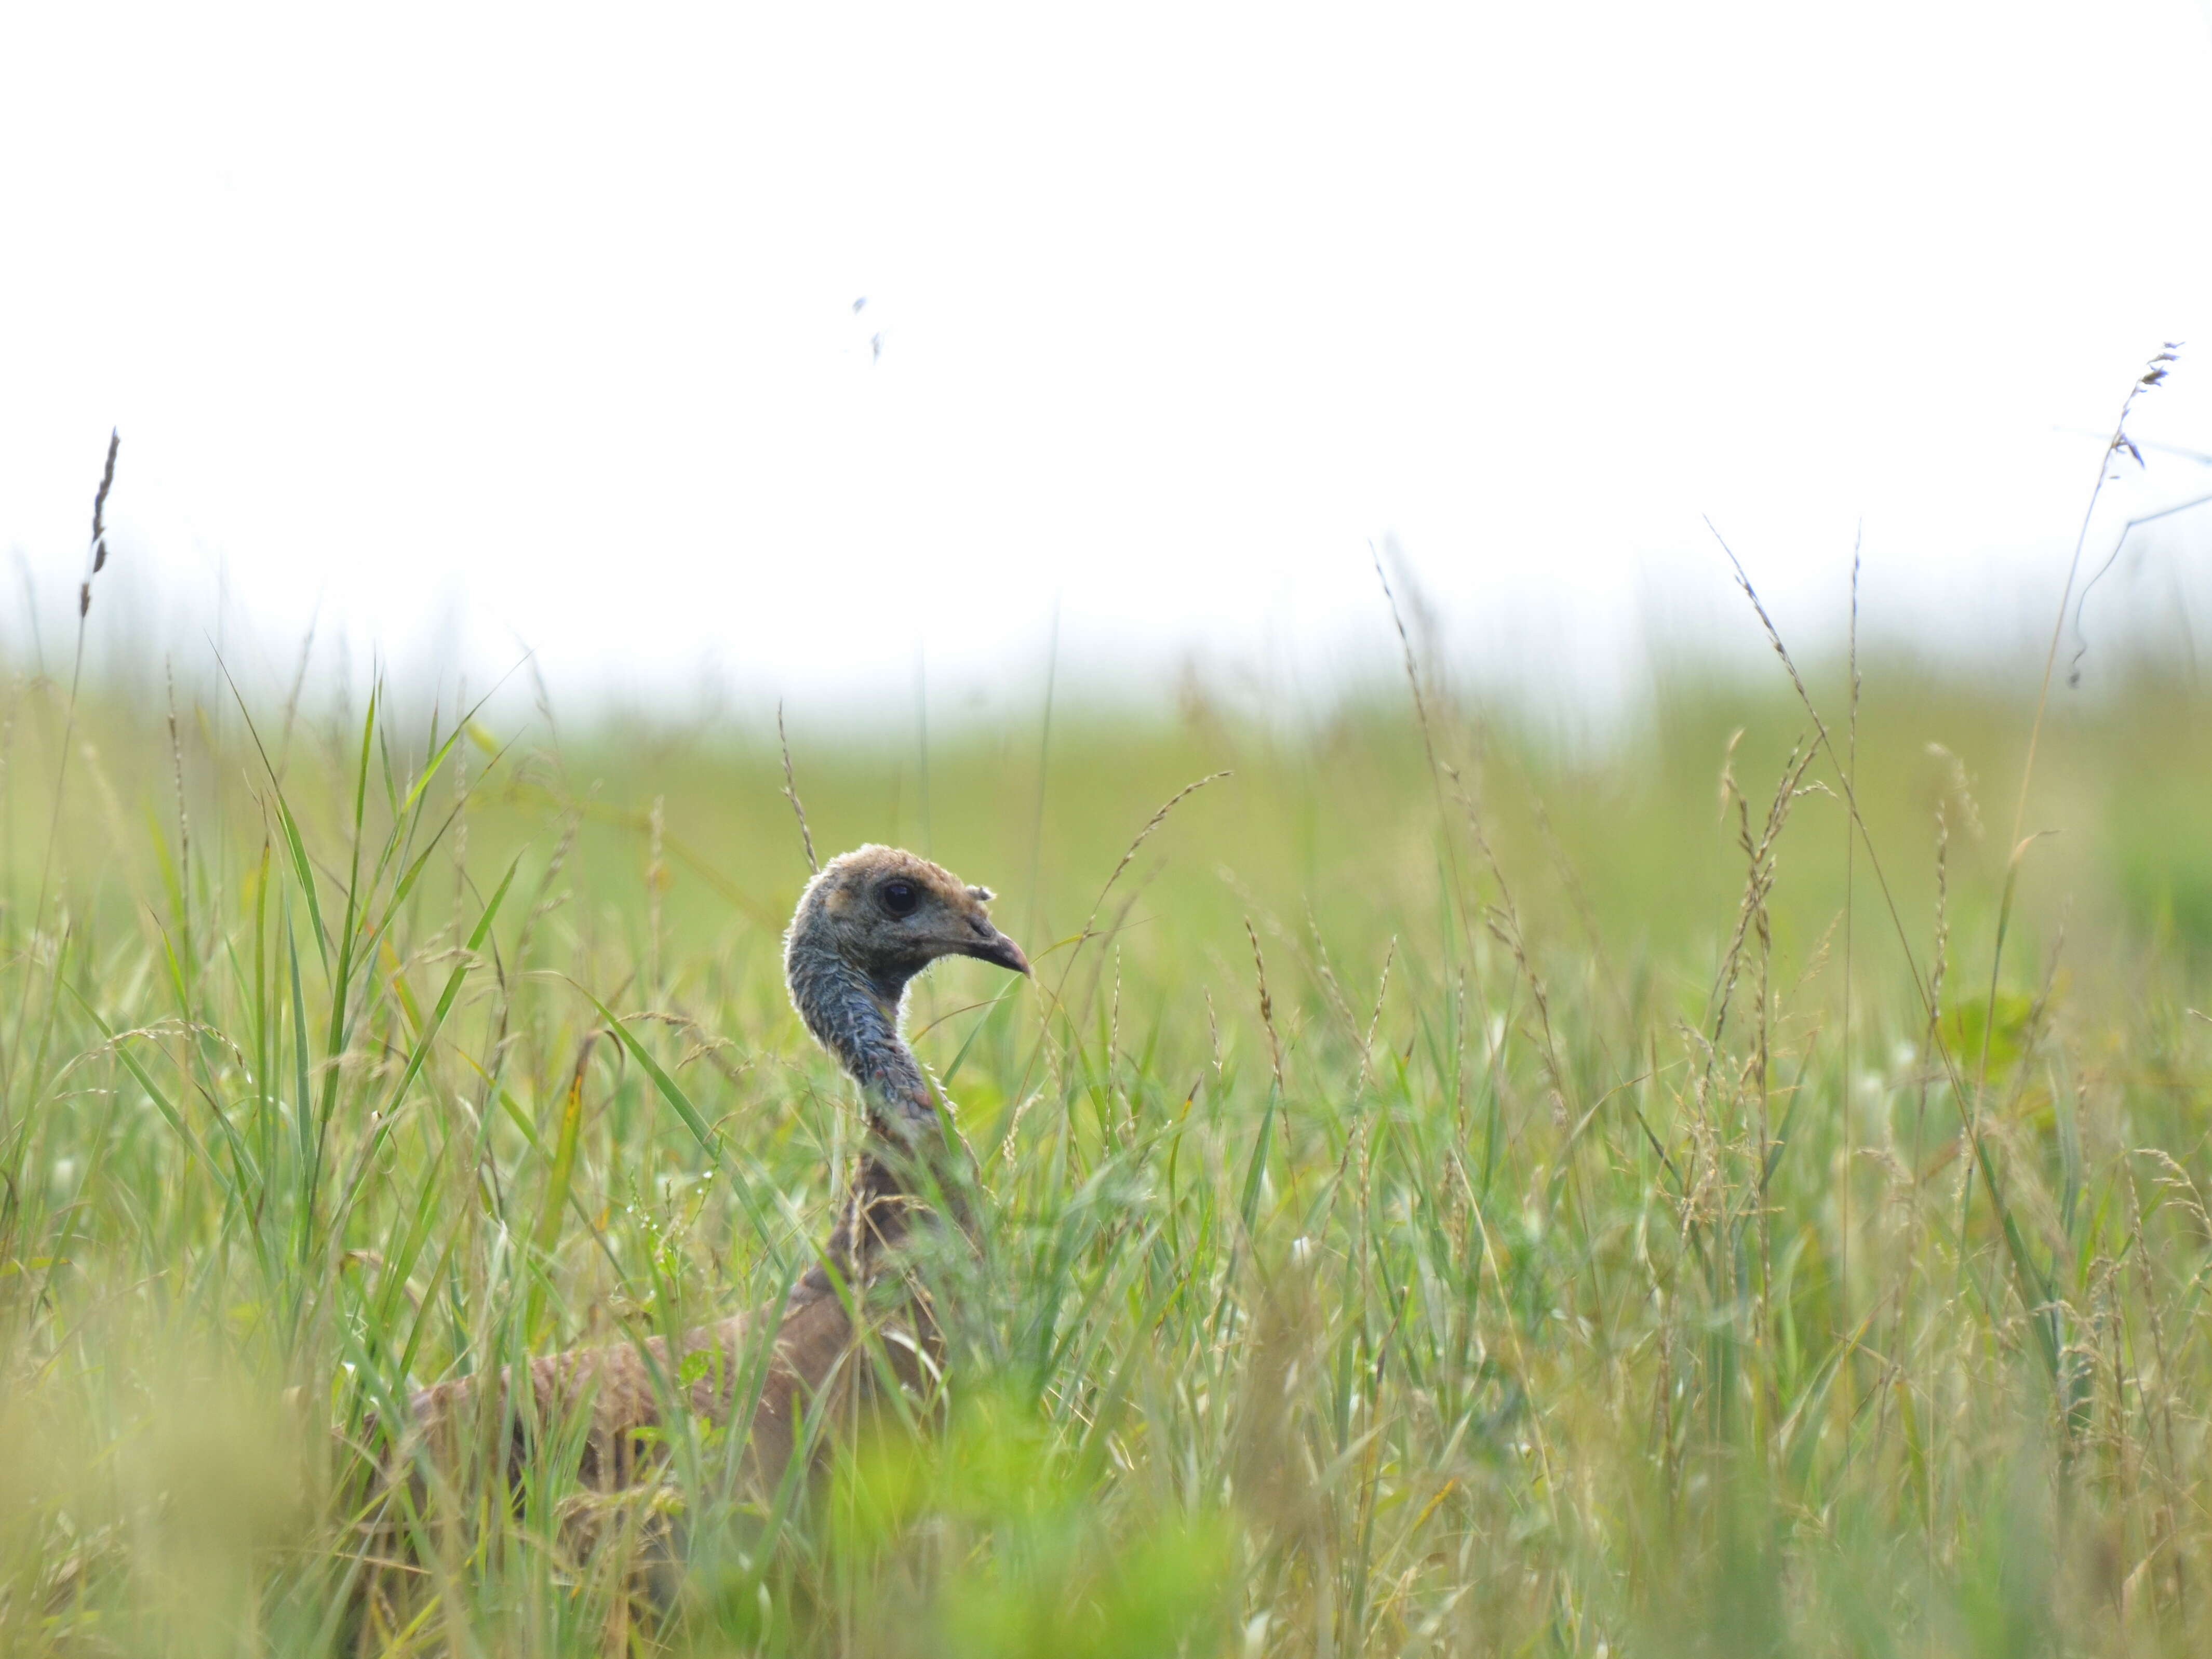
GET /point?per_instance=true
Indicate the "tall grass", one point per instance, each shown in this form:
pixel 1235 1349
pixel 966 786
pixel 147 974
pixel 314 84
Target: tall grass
pixel 1432 1206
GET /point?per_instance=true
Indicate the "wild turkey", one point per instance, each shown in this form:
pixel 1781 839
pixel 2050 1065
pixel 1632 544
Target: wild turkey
pixel 870 921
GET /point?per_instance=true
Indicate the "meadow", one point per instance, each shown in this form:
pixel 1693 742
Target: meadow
pixel 1446 1191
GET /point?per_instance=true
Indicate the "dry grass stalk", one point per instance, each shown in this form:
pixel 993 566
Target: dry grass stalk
pixel 1267 1006
pixel 97 554
pixel 96 561
pixel 183 817
pixel 791 794
pixel 1851 873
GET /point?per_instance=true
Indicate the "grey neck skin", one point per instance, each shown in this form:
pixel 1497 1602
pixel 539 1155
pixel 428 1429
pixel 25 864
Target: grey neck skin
pixel 855 1017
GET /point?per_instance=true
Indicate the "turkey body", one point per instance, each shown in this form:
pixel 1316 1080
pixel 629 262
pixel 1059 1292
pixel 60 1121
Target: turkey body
pixel 618 1390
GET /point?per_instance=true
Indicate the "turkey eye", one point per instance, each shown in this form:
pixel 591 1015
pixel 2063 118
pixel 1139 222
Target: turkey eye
pixel 900 898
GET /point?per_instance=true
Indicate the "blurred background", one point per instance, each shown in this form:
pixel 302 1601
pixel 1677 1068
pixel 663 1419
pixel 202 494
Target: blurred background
pixel 893 364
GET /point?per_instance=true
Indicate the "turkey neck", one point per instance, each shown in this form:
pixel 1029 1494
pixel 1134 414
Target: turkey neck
pixel 855 1016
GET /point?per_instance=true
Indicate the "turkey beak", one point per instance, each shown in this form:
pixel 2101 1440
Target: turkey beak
pixel 992 946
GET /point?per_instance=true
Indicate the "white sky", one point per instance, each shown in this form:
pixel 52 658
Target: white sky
pixel 469 323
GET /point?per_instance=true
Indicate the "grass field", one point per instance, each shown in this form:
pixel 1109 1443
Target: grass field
pixel 1446 1195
